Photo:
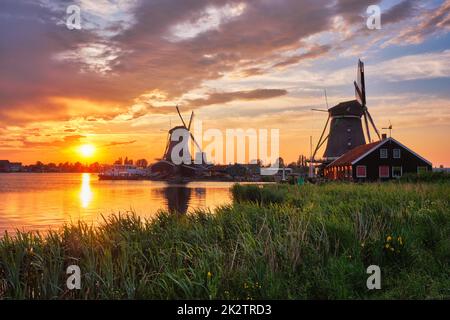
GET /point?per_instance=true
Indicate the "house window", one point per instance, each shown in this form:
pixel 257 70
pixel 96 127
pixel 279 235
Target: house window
pixel 383 171
pixel 361 172
pixel 397 153
pixel 383 153
pixel 397 172
pixel 422 169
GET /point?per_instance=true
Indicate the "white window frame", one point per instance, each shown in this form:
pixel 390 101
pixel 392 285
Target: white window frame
pixel 401 171
pixel 379 172
pixel 397 156
pixel 381 153
pixel 365 172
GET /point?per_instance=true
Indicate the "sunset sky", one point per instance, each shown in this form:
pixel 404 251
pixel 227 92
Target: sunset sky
pixel 237 63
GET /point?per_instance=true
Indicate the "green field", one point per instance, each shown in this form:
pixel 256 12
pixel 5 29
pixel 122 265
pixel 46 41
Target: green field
pixel 274 242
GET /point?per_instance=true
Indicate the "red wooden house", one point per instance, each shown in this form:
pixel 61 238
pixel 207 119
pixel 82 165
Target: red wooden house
pixel 381 160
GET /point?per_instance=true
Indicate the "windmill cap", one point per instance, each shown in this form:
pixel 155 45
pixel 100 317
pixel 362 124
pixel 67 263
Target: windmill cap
pixel 347 108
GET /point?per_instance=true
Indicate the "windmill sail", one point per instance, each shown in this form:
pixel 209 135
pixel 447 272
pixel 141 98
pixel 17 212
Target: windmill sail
pixel 373 124
pixel 367 127
pixel 360 85
pixel 358 94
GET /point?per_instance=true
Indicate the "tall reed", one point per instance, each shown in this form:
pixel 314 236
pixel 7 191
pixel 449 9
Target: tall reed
pixel 273 242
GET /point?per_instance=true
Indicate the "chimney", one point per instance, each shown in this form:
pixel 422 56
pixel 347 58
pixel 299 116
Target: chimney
pixel 384 136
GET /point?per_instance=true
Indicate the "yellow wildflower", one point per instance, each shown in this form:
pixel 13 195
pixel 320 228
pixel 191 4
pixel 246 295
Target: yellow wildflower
pixel 387 246
pixel 209 274
pixel 389 238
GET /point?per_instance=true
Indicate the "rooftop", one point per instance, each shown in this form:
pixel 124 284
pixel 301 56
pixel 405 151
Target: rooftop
pixel 352 155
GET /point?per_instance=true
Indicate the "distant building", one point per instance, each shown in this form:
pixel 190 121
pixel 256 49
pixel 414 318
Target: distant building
pixel 15 166
pixel 6 166
pixel 441 169
pixel 381 160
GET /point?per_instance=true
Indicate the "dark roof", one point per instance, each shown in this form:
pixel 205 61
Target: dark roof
pixel 352 155
pixel 352 107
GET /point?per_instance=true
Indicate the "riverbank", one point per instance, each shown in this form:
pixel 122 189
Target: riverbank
pixel 289 242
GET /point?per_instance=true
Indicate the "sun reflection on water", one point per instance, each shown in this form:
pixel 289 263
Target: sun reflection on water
pixel 86 194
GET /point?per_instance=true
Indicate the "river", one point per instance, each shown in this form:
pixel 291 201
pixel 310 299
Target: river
pixel 43 201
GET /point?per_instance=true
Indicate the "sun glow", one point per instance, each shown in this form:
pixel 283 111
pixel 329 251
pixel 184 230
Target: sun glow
pixel 87 150
pixel 86 194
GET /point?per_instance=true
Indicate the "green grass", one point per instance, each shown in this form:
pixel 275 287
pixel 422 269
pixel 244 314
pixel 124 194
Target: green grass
pixel 274 242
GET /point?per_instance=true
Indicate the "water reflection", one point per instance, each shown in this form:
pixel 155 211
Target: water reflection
pixel 179 198
pixel 86 194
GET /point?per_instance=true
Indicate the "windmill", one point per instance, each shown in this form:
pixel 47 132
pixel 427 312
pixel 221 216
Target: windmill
pixel 345 123
pixel 166 164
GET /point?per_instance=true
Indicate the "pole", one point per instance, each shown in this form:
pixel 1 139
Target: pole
pixel 311 171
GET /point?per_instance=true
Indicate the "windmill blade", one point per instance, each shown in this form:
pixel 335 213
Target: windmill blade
pixel 360 85
pixel 192 136
pixel 320 143
pixel 362 81
pixel 190 121
pixel 373 124
pixel 319 110
pixel 196 143
pixel 358 94
pixel 182 120
pixel 367 126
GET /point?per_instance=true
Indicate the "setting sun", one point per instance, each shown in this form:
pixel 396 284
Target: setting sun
pixel 87 150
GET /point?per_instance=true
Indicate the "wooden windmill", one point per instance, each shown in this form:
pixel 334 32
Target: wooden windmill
pixel 167 165
pixel 345 120
pixel 171 143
